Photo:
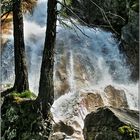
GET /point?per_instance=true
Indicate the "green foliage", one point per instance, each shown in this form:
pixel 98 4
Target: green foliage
pixel 129 131
pixel 11 114
pixel 63 10
pixel 27 5
pixel 68 2
pixel 63 13
pixel 134 4
pixel 6 5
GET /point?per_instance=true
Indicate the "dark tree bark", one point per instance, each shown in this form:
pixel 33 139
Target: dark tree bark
pixel 46 86
pixel 21 74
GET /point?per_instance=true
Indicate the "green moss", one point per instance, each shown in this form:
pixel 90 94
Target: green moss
pixel 22 121
pixel 25 94
pixel 129 131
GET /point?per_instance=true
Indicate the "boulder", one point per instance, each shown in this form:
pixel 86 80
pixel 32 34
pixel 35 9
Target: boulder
pixel 115 97
pixel 62 127
pixel 62 130
pixel 109 123
pixel 111 96
pixel 91 101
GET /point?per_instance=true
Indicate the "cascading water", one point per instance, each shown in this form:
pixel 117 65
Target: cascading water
pixel 82 64
pixel 71 72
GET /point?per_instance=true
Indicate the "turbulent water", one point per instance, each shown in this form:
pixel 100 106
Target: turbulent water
pixel 83 63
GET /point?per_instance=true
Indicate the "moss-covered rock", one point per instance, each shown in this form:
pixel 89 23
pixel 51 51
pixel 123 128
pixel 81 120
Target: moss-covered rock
pixel 128 131
pixel 21 120
pixel 109 123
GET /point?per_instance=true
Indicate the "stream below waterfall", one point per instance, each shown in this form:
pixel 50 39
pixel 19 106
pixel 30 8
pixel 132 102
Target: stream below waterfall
pixel 84 65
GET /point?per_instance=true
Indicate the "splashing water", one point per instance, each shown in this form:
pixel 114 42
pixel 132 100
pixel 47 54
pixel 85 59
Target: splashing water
pixel 81 63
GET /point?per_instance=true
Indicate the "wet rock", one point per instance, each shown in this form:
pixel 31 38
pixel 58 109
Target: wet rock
pixel 111 124
pixel 57 136
pixel 73 70
pixel 69 129
pixel 91 101
pixel 111 96
pixel 62 127
pixel 74 108
pixel 115 97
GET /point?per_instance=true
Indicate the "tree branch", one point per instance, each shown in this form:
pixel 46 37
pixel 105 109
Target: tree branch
pixel 6 13
pixel 68 8
pixel 104 15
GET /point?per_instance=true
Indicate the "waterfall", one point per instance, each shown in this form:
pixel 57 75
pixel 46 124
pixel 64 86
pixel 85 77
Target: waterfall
pixel 71 72
pixel 82 64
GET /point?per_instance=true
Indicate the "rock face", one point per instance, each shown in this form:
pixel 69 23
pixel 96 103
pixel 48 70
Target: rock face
pixel 119 16
pixel 130 38
pixel 111 124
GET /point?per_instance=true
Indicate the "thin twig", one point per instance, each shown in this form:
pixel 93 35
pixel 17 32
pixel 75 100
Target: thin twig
pixel 115 15
pixel 78 27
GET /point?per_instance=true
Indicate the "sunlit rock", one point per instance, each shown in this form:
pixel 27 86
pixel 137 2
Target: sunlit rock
pixel 115 97
pixel 57 136
pixel 91 101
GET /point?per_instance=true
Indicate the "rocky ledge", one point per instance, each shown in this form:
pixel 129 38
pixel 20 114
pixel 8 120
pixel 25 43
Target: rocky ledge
pixel 109 123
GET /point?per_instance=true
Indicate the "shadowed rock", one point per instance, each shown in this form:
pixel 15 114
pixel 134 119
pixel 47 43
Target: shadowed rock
pixel 110 123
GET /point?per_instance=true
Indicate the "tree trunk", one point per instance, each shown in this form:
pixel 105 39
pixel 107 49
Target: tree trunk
pixel 46 86
pixel 21 74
